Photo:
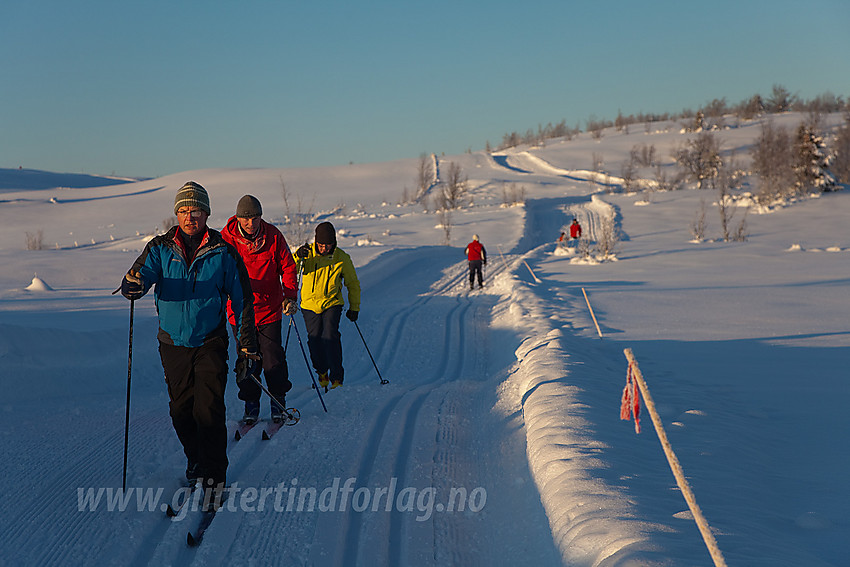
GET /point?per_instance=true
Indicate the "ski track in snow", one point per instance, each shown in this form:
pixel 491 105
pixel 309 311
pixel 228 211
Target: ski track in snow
pixel 410 432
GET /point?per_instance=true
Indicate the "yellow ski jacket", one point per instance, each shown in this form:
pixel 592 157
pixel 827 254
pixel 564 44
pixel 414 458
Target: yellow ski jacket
pixel 322 280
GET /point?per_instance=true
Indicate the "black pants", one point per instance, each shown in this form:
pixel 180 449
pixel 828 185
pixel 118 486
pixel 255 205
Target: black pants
pixel 475 268
pixel 196 379
pixel 324 341
pixel 274 365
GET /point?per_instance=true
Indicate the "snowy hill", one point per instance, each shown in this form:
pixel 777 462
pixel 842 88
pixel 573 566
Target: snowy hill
pixel 497 440
pixel 36 179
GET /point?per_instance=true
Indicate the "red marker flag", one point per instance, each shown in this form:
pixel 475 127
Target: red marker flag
pixel 630 404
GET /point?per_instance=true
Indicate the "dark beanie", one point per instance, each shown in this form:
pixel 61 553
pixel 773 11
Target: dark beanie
pixel 249 207
pixel 192 195
pixel 325 233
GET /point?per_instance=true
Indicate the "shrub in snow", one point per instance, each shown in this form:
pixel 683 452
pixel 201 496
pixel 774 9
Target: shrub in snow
pixel 445 217
pixel 700 157
pixel 780 99
pixel 608 237
pixel 34 240
pixel 512 195
pixel 841 150
pixel 298 217
pixel 698 224
pixel 426 177
pixel 665 182
pixel 772 159
pixel 454 191
pixel 727 207
pixel 813 161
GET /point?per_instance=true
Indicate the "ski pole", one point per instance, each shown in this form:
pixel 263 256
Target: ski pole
pixel 127 413
pixel 264 389
pixel 291 417
pixel 288 330
pixel 309 369
pixel 370 354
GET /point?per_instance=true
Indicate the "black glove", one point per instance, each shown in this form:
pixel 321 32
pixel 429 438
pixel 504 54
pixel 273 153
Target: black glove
pixel 290 306
pixel 132 286
pixel 304 251
pixel 352 315
pixel 248 364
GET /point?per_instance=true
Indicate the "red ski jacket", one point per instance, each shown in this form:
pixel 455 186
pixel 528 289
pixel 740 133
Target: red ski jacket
pixel 575 230
pixel 475 251
pixel 271 268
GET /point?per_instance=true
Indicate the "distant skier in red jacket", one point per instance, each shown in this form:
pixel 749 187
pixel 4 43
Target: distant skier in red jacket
pixel 575 230
pixel 274 283
pixel 477 256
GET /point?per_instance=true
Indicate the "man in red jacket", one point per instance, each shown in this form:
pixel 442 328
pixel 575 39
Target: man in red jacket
pixel 273 275
pixel 476 255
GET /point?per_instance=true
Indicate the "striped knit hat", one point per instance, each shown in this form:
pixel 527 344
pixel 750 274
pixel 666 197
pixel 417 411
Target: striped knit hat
pixel 192 195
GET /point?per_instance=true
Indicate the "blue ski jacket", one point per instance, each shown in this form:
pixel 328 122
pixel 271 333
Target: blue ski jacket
pixel 191 295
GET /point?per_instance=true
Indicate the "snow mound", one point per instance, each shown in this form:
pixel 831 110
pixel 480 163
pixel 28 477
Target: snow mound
pixel 38 284
pixel 563 251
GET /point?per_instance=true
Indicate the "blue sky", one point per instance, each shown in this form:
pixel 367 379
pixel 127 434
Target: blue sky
pixel 158 87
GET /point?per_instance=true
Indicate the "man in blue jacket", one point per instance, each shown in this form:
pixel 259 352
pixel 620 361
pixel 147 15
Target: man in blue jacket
pixel 193 272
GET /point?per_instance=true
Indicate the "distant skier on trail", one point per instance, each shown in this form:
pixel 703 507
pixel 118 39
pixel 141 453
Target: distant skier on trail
pixel 575 230
pixel 476 255
pixel 274 282
pixel 326 268
pixel 194 272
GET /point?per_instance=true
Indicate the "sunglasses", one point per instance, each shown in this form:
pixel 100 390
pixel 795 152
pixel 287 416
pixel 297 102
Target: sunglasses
pixel 194 214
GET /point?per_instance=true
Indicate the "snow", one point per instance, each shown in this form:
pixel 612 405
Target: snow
pixel 38 284
pixel 504 400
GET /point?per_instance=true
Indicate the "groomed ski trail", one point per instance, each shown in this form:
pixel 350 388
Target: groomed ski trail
pixel 425 429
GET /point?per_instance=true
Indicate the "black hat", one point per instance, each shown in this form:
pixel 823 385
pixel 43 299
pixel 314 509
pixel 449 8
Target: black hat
pixel 325 233
pixel 249 207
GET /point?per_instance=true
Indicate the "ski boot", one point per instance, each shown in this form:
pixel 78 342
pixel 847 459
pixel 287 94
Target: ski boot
pixel 278 413
pixel 323 380
pixel 252 413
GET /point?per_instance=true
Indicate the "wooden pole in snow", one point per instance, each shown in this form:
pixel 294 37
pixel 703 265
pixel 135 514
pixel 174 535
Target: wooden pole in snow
pixel 538 280
pixel 499 246
pixel 591 313
pixel 702 524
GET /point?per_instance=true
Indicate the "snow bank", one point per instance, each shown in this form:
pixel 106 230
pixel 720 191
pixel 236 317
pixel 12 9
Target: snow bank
pixel 592 523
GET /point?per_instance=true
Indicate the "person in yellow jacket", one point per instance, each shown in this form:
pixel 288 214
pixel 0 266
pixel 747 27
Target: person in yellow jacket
pixel 325 268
